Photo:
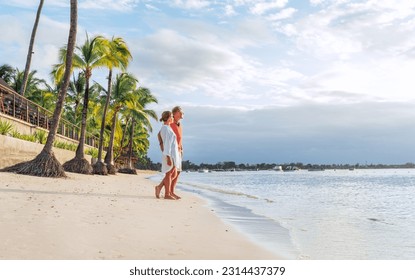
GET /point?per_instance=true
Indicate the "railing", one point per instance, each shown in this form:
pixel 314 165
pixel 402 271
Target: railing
pixel 21 108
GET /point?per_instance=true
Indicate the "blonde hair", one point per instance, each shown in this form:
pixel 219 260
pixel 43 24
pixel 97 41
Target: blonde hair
pixel 165 116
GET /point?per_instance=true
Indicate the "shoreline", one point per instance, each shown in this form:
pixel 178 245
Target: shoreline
pixel 261 230
pixel 114 217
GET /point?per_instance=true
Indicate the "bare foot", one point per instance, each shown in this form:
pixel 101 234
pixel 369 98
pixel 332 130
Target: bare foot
pixel 157 190
pixel 169 197
pixel 175 196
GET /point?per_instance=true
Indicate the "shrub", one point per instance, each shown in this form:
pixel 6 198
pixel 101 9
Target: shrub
pixel 15 134
pixel 92 152
pixel 41 136
pixel 5 127
pixel 65 146
pixel 27 137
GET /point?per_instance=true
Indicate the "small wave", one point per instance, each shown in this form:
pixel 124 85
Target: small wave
pixel 379 221
pixel 222 191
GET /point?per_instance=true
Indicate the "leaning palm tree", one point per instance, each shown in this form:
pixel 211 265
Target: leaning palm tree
pixel 30 51
pixel 88 57
pixel 46 164
pixel 117 56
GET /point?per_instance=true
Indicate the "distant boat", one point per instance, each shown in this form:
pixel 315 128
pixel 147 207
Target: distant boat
pixel 277 168
pixel 351 169
pixel 291 168
pixel 203 170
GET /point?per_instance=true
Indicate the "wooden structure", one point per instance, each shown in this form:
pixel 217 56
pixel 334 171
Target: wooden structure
pixel 15 105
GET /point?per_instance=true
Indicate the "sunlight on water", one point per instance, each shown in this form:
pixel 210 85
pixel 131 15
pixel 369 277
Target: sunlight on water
pixel 360 214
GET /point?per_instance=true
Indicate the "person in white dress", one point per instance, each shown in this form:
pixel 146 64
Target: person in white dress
pixel 171 160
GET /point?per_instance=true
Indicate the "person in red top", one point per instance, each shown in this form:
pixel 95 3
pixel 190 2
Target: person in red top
pixel 177 129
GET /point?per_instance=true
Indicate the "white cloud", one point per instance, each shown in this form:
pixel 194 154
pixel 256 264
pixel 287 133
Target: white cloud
pixel 191 4
pixel 316 2
pixel 34 4
pixel 190 65
pixel 229 10
pixel 152 7
pixel 283 14
pixel 263 6
pixel 117 5
pixel 375 78
pixel 15 31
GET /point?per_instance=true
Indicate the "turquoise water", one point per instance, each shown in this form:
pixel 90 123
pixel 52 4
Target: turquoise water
pixel 332 214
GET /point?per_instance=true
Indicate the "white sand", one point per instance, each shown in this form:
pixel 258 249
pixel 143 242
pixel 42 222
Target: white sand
pixel 110 217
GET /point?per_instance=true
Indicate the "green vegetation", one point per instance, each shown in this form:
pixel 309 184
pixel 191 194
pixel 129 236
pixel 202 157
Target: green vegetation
pixel 5 128
pixel 39 137
pixel 92 152
pixel 122 103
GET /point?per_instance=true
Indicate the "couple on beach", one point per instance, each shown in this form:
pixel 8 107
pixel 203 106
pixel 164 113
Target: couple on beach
pixel 170 139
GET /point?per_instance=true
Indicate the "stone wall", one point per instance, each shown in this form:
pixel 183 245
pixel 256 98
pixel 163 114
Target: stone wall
pixel 13 150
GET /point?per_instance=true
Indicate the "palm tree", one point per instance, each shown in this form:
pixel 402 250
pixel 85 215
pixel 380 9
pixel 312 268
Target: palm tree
pixel 88 57
pixel 74 98
pixel 30 51
pixel 123 91
pixel 33 84
pixel 134 109
pixel 7 73
pixel 46 98
pixel 137 145
pixel 117 56
pixel 141 116
pixel 46 164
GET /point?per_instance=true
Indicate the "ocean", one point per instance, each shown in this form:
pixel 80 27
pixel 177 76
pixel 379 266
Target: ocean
pixel 323 215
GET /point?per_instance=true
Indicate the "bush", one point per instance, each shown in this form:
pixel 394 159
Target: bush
pixel 15 134
pixel 5 127
pixel 65 146
pixel 26 137
pixel 92 152
pixel 41 136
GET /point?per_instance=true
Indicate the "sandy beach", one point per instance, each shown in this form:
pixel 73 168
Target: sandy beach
pixel 110 217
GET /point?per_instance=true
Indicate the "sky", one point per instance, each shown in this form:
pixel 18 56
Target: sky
pixel 260 81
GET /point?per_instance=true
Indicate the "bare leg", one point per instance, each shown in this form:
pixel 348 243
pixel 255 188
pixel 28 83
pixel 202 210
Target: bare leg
pixel 158 188
pixel 167 183
pixel 173 185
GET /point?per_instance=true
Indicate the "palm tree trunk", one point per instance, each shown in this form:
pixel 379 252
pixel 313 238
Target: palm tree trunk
pixel 79 164
pixel 130 146
pixel 66 78
pixel 99 167
pixel 30 51
pixel 109 157
pixel 46 164
pixel 104 116
pixel 123 137
pixel 81 146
